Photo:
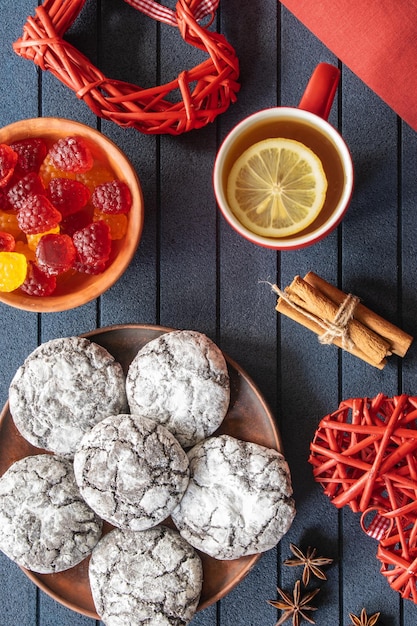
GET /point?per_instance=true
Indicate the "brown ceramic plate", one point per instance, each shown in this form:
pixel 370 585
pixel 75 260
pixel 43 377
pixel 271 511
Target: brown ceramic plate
pixel 248 418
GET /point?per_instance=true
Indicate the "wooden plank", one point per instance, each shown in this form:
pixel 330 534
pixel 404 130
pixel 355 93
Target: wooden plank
pixel 369 269
pixel 248 324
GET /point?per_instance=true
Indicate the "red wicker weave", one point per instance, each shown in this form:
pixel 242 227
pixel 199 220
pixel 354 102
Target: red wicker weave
pixel 206 90
pixel 398 555
pixel 365 456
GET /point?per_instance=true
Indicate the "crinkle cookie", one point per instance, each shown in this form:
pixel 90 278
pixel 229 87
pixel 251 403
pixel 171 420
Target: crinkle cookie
pixel 63 388
pixel 131 471
pixel 45 525
pixel 180 379
pixel 238 500
pixel 148 577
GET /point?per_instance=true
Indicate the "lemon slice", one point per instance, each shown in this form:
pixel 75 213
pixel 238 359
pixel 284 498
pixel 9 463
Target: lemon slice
pixel 277 187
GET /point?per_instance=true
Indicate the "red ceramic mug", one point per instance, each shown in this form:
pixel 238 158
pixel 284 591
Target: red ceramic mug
pixel 308 124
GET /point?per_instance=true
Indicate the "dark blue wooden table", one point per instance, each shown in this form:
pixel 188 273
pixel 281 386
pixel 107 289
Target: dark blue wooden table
pixel 192 271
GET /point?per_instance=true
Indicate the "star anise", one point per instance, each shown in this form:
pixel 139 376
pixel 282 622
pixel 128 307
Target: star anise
pixel 312 563
pixel 364 620
pixel 296 607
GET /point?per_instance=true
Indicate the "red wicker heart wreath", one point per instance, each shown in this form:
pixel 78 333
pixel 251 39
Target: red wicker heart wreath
pixel 397 553
pixel 206 90
pixel 365 456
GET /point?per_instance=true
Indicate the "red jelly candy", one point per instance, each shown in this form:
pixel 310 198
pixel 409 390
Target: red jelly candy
pixel 7 242
pixel 67 195
pixel 37 215
pixel 93 243
pixel 55 254
pixel 8 160
pixel 30 153
pixel 37 282
pixel 112 197
pixel 28 185
pixel 71 154
pixel 76 221
pixel 4 201
pixel 90 268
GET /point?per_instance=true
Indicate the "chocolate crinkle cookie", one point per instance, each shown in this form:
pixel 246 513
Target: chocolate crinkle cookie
pixel 45 525
pixel 180 379
pixel 62 389
pixel 151 577
pixel 131 471
pixel 239 498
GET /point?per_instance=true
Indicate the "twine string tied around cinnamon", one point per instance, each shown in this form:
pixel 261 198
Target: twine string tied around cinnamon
pixel 332 329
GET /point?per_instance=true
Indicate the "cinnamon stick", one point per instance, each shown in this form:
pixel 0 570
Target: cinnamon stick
pixel 399 340
pixel 314 302
pixel 289 311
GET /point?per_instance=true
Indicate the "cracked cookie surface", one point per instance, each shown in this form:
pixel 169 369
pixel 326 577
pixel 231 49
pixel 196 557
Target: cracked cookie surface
pixel 180 379
pixel 63 388
pixel 149 577
pixel 45 525
pixel 131 471
pixel 239 498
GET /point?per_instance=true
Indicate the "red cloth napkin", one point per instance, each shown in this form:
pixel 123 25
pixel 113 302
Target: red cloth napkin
pixel 376 39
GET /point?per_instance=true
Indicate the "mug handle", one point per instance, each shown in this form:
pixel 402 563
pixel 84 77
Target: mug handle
pixel 321 89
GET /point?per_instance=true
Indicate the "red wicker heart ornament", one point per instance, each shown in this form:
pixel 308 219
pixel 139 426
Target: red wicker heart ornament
pixel 364 453
pixel 365 456
pixel 398 555
pixel 206 90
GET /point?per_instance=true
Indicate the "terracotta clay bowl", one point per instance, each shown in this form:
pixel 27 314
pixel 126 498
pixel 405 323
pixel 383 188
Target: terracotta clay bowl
pixel 75 289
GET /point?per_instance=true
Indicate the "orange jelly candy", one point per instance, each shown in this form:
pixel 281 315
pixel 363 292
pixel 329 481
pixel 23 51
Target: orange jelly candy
pixel 48 170
pixel 23 248
pixel 116 223
pixel 9 223
pixel 98 175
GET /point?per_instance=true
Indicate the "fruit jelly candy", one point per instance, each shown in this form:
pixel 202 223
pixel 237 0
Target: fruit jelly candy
pixel 99 173
pixel 13 268
pixel 55 254
pixel 90 268
pixel 116 223
pixel 4 201
pixel 77 221
pixel 72 154
pixel 29 184
pixel 23 248
pixel 93 243
pixel 37 282
pixel 30 152
pixel 37 215
pixel 7 242
pixel 67 195
pixel 8 160
pixel 48 171
pixel 9 223
pixel 33 240
pixel 112 197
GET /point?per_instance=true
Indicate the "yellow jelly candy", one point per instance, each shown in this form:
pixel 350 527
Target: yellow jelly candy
pixel 13 269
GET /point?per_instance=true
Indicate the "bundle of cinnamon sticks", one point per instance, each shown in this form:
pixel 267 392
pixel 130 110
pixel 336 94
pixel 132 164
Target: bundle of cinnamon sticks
pixel 317 305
